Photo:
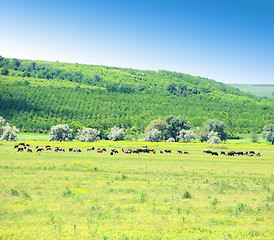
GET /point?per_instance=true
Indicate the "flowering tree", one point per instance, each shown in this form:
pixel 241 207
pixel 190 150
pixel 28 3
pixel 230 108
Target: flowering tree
pixel 60 132
pixel 116 134
pixel 88 135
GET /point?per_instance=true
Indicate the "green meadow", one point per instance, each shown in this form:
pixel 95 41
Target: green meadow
pixel 90 195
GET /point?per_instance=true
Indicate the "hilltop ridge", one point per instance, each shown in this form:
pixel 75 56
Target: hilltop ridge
pixel 34 95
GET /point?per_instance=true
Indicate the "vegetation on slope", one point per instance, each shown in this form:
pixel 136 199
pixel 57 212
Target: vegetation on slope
pixel 35 95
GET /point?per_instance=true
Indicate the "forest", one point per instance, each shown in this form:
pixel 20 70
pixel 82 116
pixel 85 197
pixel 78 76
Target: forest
pixel 35 95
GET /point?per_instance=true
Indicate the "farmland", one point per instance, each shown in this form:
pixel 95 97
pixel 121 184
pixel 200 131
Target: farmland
pixel 89 195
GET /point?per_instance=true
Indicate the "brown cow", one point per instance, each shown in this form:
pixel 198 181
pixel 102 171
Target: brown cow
pixel 20 149
pixel 185 152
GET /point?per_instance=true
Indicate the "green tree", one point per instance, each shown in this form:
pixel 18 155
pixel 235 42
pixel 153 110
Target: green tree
pixel 175 125
pixel 268 133
pixel 215 125
pixel 159 124
pixel 4 71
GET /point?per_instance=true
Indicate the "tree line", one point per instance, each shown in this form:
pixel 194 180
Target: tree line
pixel 36 95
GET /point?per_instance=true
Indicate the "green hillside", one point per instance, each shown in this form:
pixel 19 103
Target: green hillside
pixel 35 95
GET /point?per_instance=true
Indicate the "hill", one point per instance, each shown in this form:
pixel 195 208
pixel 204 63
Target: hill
pixel 263 90
pixel 34 95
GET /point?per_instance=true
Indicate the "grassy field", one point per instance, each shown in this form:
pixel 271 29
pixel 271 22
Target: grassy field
pixel 257 89
pixel 87 195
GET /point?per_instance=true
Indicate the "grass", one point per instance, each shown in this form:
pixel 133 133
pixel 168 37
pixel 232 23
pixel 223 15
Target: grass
pixel 257 89
pixel 64 195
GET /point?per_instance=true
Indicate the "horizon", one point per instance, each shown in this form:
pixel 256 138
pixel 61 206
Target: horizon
pixel 226 41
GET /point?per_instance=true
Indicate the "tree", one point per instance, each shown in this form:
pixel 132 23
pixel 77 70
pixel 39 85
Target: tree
pixel 2 124
pixel 153 135
pixel 186 136
pixel 60 132
pixel 4 71
pixel 75 126
pixel 213 138
pixel 202 133
pixel 7 133
pixel 268 133
pixel 175 125
pixel 116 134
pixel 215 125
pixel 88 135
pixel 159 124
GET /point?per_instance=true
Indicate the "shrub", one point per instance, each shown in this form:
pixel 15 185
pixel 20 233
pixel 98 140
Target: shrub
pixel 213 138
pixel 60 133
pixel 186 136
pixel 88 135
pixel 186 195
pixel 7 133
pixel 116 134
pixel 153 136
pixel 268 133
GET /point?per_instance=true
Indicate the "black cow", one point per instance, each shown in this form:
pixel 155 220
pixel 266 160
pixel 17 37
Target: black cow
pixel 179 151
pixel 214 153
pixel 168 151
pixel 207 151
pixel 29 150
pixel 222 152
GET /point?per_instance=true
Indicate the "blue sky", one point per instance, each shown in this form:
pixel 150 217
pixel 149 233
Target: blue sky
pixel 230 41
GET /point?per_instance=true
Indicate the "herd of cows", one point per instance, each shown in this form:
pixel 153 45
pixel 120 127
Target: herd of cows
pixel 25 146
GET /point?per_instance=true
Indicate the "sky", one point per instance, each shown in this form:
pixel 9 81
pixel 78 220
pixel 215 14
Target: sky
pixel 230 41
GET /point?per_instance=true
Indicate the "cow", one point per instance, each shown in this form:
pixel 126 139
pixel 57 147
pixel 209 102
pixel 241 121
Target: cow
pixel 222 153
pixel 39 149
pixel 48 148
pixel 207 151
pixel 250 155
pixel 145 146
pixel 161 151
pixel 99 150
pixel 111 153
pixel 179 151
pixel 29 150
pixel 258 154
pixel 214 153
pixel 186 152
pixel 114 151
pixel 16 146
pixel 20 149
pixel 230 154
pixel 251 152
pixel 136 151
pixel 104 149
pixel 78 150
pixel 154 152
pixel 71 149
pixel 240 153
pixel 168 151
